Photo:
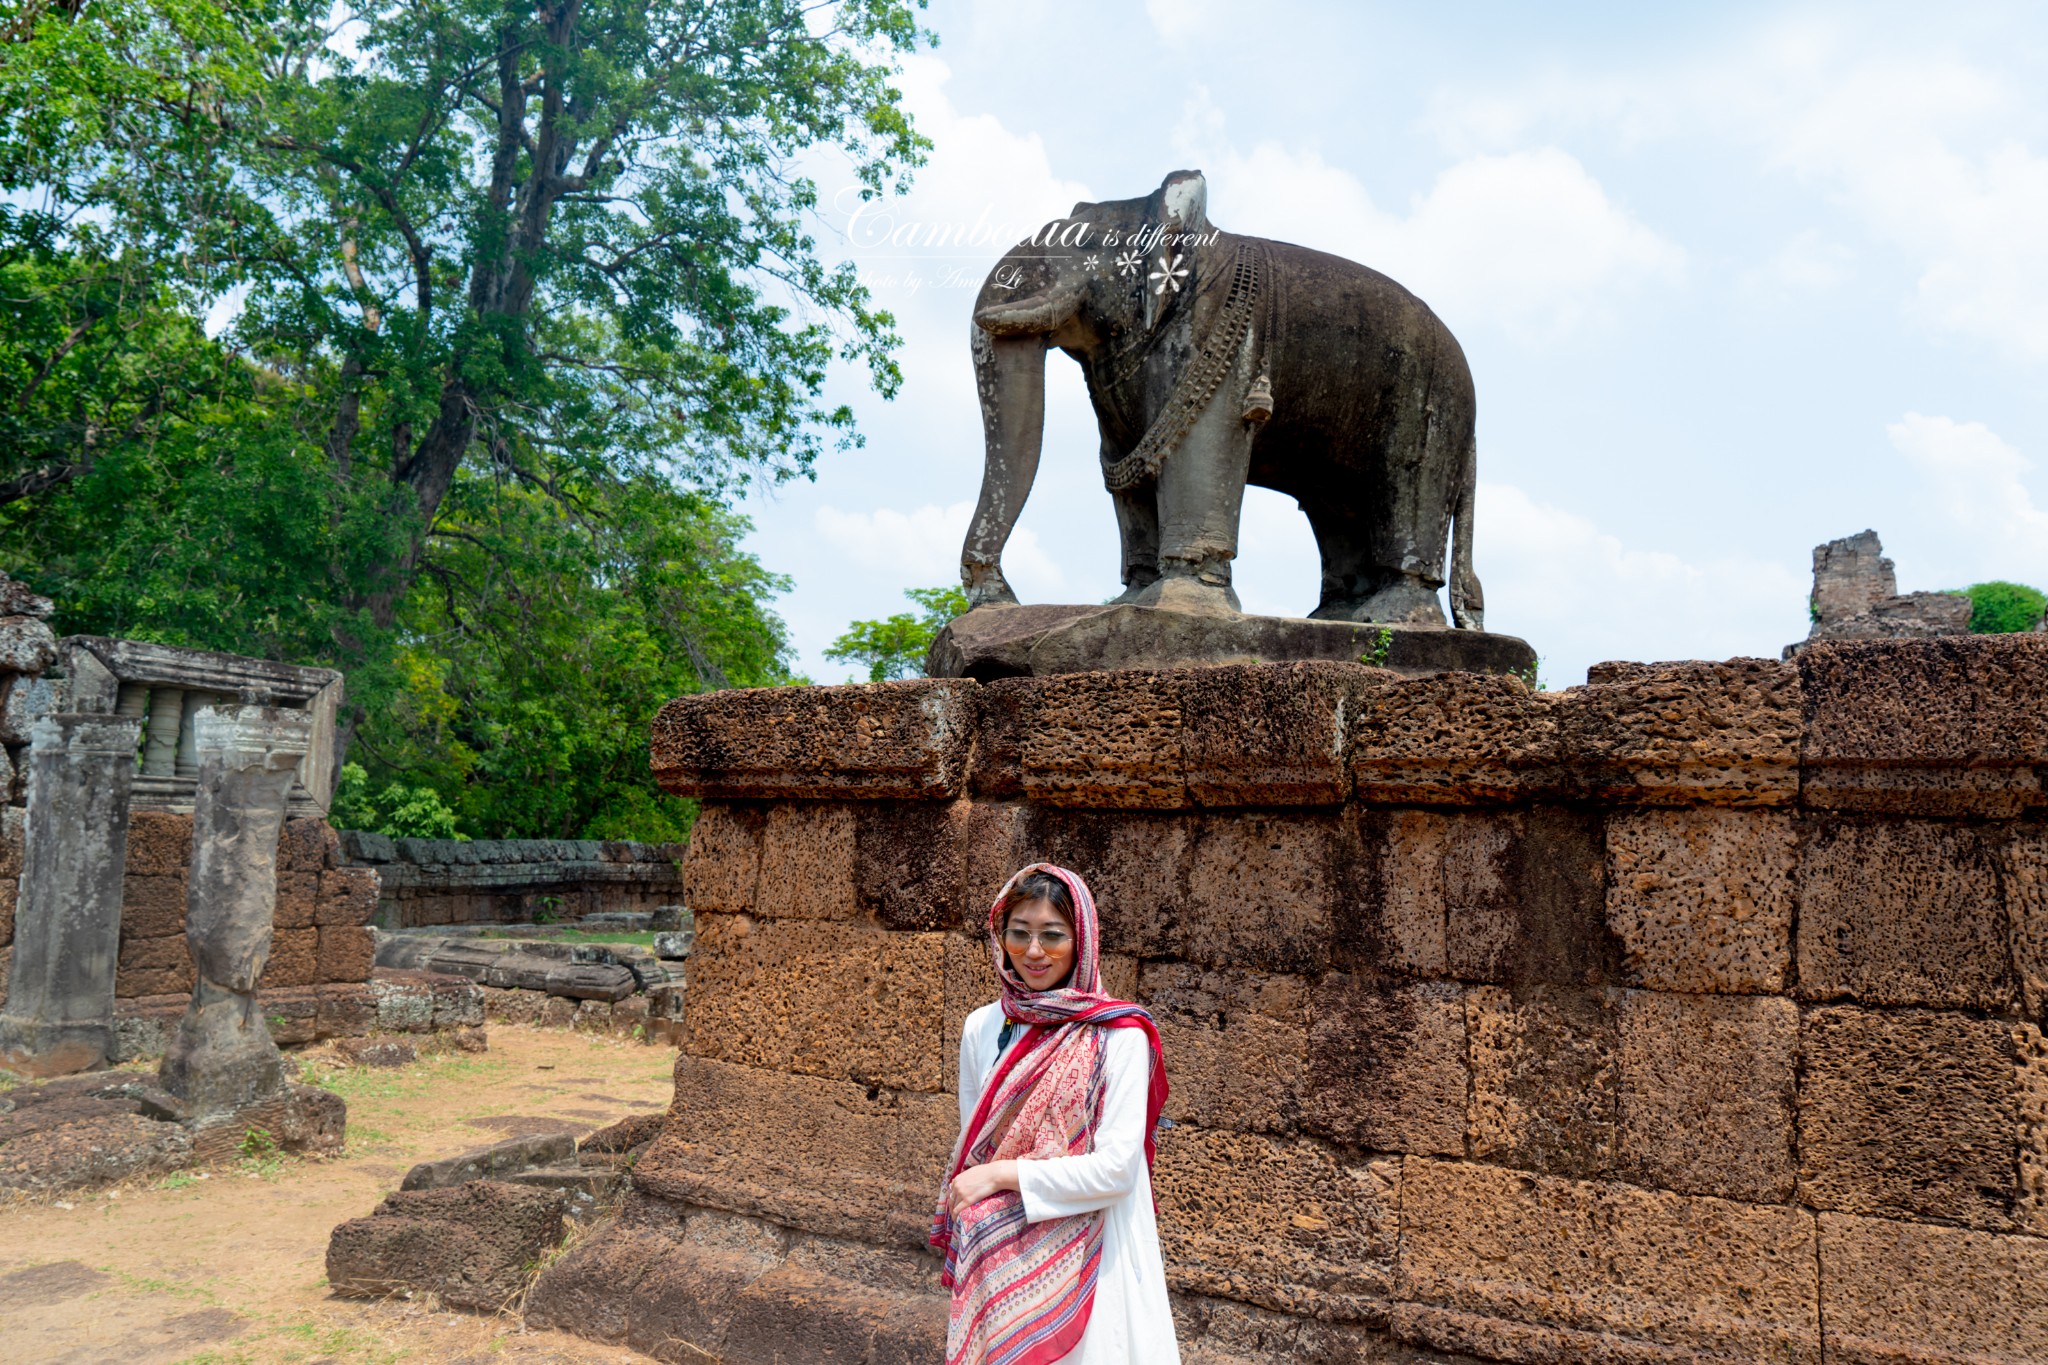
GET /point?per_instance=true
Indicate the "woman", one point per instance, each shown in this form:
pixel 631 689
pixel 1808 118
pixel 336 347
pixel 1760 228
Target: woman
pixel 1046 1219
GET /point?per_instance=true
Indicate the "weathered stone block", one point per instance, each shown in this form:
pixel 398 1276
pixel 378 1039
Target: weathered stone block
pixel 1897 1292
pixel 1136 863
pixel 848 1001
pixel 152 907
pixel 1525 899
pixel 723 867
pixel 1950 726
pixel 910 863
pixel 1702 899
pixel 345 953
pixel 26 645
pixel 1270 734
pixel 1544 1078
pixel 1387 1066
pixel 1261 893
pixel 154 966
pixel 512 1006
pixel 1902 912
pixel 992 847
pixel 2024 863
pixel 1006 714
pixel 1237 1043
pixel 1663 734
pixel 1390 894
pixel 344 1010
pixel 348 898
pixel 472 1244
pixel 833 1157
pixel 1908 1114
pixel 901 740
pixel 10 889
pixel 1710 1278
pixel 807 863
pixel 12 824
pixel 1284 1223
pixel 1106 740
pixel 1707 1094
pixel 2030 1096
pixel 159 844
pixel 308 844
pixel 298 900
pixel 294 959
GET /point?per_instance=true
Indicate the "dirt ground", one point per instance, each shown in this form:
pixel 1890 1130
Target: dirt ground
pixel 228 1267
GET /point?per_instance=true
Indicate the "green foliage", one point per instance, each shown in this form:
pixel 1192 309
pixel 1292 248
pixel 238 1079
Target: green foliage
pixel 397 810
pixel 523 293
pixel 2000 608
pixel 896 647
pixel 1376 653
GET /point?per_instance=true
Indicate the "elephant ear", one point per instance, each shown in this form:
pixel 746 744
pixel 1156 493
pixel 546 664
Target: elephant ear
pixel 1183 206
pixel 1184 202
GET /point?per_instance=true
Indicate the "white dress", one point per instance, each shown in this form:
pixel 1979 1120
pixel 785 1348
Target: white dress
pixel 1131 1322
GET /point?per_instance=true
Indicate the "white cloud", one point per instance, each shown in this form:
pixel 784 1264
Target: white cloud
pixel 1177 21
pixel 1528 240
pixel 921 548
pixel 1978 479
pixel 1810 263
pixel 1926 151
pixel 1581 595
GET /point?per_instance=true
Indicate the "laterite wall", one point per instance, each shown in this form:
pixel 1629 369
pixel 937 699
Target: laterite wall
pixel 1690 1015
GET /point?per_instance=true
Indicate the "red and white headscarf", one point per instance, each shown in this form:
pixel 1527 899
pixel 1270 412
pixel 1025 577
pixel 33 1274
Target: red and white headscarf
pixel 1022 1291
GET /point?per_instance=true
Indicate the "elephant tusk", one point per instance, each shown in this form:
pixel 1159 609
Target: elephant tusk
pixel 1024 319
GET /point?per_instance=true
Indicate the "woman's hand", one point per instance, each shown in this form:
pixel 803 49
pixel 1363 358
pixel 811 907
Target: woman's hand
pixel 977 1183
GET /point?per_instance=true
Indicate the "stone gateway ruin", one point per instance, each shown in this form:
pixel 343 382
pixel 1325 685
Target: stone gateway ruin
pixel 1690 1015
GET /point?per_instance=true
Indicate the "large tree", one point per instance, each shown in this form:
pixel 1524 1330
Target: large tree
pixel 560 251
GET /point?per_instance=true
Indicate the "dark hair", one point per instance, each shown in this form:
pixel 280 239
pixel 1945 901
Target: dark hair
pixel 1039 886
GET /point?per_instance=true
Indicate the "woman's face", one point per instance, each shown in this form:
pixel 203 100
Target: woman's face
pixel 1040 943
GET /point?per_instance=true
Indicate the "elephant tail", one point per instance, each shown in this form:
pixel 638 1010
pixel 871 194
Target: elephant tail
pixel 1468 600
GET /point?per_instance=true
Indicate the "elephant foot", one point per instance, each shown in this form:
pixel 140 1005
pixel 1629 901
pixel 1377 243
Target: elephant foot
pixel 986 586
pixel 1207 593
pixel 1404 602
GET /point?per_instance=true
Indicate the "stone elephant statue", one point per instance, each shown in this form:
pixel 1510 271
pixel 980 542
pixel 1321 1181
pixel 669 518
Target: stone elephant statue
pixel 1215 360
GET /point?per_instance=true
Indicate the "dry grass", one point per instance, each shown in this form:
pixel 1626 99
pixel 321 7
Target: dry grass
pixel 227 1267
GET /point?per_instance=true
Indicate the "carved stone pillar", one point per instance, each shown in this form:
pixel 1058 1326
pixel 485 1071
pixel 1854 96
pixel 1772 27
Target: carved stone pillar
pixel 67 922
pixel 222 1058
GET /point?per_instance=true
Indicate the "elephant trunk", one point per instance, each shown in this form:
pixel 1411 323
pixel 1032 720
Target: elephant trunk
pixel 1009 373
pixel 1036 316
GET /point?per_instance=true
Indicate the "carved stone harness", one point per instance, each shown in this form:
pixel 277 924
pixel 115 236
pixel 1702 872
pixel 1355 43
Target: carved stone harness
pixel 1199 382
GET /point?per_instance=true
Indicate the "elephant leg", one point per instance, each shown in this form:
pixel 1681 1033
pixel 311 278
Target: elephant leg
pixel 1137 524
pixel 1200 494
pixel 1357 584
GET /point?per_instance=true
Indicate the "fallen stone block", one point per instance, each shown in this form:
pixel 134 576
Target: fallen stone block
pixel 106 1145
pixel 473 1245
pixel 675 946
pixel 497 1161
pixel 377 1052
pixel 635 1130
pixel 304 1120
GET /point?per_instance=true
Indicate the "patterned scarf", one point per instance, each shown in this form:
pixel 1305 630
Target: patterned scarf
pixel 1022 1291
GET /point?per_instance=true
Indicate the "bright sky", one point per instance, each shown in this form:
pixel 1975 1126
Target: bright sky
pixel 1733 280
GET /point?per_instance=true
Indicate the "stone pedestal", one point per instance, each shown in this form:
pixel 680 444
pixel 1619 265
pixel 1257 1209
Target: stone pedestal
pixel 223 1058
pixel 1042 640
pixel 67 923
